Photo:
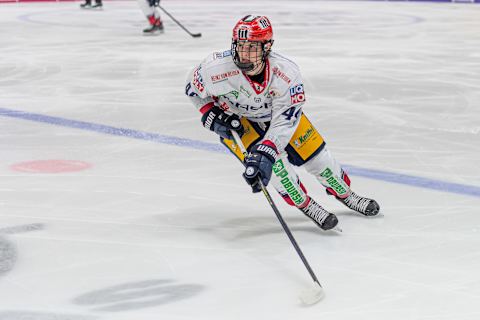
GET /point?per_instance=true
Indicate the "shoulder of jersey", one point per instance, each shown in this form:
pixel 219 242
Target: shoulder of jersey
pixel 218 58
pixel 284 63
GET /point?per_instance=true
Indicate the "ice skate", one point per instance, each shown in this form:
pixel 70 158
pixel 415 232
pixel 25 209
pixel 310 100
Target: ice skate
pixel 154 29
pixel 97 5
pixel 86 5
pixel 365 206
pixel 320 216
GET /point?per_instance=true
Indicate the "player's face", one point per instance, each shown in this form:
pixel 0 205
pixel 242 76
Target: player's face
pixel 251 52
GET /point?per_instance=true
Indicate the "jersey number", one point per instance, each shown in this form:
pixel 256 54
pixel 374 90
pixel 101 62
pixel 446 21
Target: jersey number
pixel 189 91
pixel 290 113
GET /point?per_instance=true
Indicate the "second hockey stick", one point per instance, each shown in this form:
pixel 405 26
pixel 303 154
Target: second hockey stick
pixel 195 35
pixel 316 293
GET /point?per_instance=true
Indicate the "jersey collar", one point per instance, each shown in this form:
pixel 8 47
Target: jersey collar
pixel 259 87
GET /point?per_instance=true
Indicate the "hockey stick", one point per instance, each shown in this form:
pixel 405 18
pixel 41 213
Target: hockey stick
pixel 195 35
pixel 316 293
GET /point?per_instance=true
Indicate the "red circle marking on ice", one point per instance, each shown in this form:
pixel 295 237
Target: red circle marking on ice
pixel 50 166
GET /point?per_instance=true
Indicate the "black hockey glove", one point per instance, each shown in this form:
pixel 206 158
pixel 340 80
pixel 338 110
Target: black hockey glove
pixel 154 3
pixel 221 123
pixel 258 164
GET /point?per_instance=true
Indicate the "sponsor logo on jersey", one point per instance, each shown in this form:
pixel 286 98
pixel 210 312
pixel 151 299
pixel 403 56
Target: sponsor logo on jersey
pixel 273 93
pixel 297 94
pixel 252 108
pixel 223 106
pixel 245 91
pixel 247 107
pixel 224 76
pixel 257 100
pixel 279 73
pixel 220 55
pixel 198 80
pixel 234 93
pixel 303 138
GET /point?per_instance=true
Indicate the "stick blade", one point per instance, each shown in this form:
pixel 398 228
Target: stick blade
pixel 196 35
pixel 312 295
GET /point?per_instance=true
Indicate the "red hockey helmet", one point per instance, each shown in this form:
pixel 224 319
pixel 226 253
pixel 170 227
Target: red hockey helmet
pixel 252 29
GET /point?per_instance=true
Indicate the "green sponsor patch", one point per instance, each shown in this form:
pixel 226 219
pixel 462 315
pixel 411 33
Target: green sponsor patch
pixel 333 181
pixel 294 193
pixel 233 93
pixel 326 173
pixel 245 91
pixel 278 166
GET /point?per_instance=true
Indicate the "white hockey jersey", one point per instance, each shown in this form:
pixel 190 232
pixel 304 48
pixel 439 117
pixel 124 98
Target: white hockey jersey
pixel 277 100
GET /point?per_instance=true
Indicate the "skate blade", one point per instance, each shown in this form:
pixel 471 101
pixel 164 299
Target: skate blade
pixel 337 229
pixel 153 34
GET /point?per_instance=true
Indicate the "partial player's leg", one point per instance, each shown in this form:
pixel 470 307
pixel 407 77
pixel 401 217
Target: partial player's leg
pixel 98 4
pixel 329 173
pixel 153 17
pixel 86 5
pixel 307 148
pixel 284 178
pixel 286 182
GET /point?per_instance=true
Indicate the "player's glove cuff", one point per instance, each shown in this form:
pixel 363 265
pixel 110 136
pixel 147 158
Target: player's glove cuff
pixel 221 123
pixel 258 165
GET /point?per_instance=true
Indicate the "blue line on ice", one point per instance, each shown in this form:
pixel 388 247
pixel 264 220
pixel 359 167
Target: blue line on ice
pixel 199 145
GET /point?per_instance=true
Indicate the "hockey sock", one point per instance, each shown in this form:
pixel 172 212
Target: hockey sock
pixel 291 189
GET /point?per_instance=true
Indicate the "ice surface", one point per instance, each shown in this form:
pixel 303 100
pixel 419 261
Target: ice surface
pixel 162 225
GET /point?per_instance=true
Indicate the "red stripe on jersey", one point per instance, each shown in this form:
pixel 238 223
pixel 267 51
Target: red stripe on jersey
pixel 261 86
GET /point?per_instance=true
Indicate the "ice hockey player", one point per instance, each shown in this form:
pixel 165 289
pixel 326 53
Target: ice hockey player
pixel 150 9
pixel 88 4
pixel 260 94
